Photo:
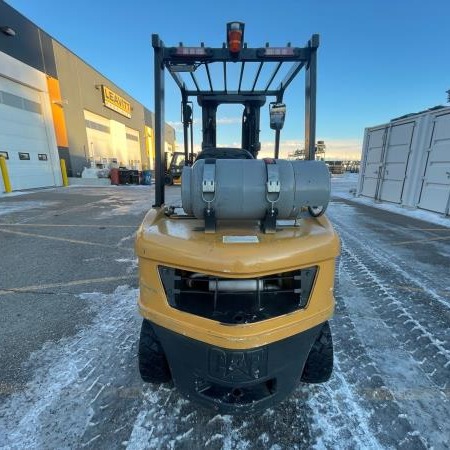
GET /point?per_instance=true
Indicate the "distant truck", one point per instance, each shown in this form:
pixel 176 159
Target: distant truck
pixel 354 167
pixel 336 167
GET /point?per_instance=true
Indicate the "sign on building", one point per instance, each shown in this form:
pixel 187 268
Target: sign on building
pixel 115 102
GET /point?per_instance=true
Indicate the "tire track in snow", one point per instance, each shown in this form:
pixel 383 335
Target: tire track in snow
pixel 424 332
pixel 393 257
pixel 375 313
pixel 72 377
pixel 356 409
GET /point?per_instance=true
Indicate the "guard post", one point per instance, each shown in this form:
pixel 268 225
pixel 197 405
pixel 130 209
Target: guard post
pixel 62 162
pixel 5 175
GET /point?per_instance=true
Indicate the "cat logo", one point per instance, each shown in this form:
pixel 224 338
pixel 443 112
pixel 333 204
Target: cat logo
pixel 238 366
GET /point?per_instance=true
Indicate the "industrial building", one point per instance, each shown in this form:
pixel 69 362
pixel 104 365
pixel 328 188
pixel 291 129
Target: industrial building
pixel 407 161
pixel 54 105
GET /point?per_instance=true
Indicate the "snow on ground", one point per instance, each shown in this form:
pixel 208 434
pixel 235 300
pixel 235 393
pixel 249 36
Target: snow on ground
pixel 86 392
pixel 119 206
pixel 390 387
pixel 120 200
pixel 20 193
pixel 59 403
pixel 13 207
pixel 344 186
pixel 132 263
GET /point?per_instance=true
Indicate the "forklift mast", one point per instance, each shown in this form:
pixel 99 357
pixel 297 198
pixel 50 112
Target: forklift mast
pixel 188 60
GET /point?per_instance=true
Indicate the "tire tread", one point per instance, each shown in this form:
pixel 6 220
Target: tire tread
pixel 153 365
pixel 319 365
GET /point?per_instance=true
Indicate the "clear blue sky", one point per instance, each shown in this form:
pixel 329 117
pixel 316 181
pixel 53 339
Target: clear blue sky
pixel 378 59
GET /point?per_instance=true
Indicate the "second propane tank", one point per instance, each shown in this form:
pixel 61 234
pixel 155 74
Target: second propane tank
pixel 247 188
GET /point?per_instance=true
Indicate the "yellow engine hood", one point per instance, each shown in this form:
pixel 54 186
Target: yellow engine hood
pixel 181 242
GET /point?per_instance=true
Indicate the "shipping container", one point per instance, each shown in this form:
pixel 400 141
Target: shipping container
pixel 407 161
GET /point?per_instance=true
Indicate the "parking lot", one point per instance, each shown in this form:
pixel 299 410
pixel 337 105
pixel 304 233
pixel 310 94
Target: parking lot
pixel 69 329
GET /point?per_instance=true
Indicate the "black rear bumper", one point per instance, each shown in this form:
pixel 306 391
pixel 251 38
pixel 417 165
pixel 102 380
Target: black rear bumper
pixel 236 381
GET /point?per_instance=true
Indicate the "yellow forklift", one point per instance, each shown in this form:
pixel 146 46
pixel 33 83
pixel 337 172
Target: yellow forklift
pixel 236 284
pixel 174 166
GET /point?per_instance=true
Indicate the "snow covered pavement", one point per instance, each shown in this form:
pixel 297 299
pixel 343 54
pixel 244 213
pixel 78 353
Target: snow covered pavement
pixel 390 387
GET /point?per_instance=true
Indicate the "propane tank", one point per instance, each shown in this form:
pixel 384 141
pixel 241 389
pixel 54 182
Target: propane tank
pixel 248 188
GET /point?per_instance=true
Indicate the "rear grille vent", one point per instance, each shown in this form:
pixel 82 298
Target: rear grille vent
pixel 237 300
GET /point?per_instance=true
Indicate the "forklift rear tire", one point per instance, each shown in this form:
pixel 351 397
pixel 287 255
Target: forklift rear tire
pixel 319 365
pixel 153 365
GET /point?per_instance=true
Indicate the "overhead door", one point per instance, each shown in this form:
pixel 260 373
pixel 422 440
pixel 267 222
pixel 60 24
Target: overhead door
pixel 111 143
pixel 395 164
pixel 98 137
pixel 435 191
pixel 24 140
pixel 373 159
pixel 133 149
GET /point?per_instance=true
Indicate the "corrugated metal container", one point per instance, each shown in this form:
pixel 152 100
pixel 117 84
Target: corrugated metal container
pixel 407 161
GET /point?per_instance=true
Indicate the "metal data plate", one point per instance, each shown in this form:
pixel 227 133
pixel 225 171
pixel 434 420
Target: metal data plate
pixel 240 240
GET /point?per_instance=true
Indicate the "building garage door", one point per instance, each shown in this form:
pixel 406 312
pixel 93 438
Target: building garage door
pixel 373 159
pixel 395 162
pixel 435 191
pixel 24 140
pixel 98 137
pixel 133 149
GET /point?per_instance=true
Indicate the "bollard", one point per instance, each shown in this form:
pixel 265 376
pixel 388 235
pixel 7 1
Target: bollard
pixel 5 175
pixel 64 172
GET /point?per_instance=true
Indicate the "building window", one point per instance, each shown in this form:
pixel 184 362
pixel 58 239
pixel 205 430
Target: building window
pixel 12 100
pixel 24 156
pixel 16 101
pixel 97 126
pixel 30 106
pixel 5 155
pixel 42 157
pixel 132 137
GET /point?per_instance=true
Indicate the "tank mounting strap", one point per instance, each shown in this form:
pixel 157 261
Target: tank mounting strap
pixel 273 176
pixel 209 194
pixel 209 176
pixel 273 190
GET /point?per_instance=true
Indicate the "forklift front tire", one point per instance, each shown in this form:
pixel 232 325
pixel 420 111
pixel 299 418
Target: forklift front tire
pixel 153 365
pixel 319 365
